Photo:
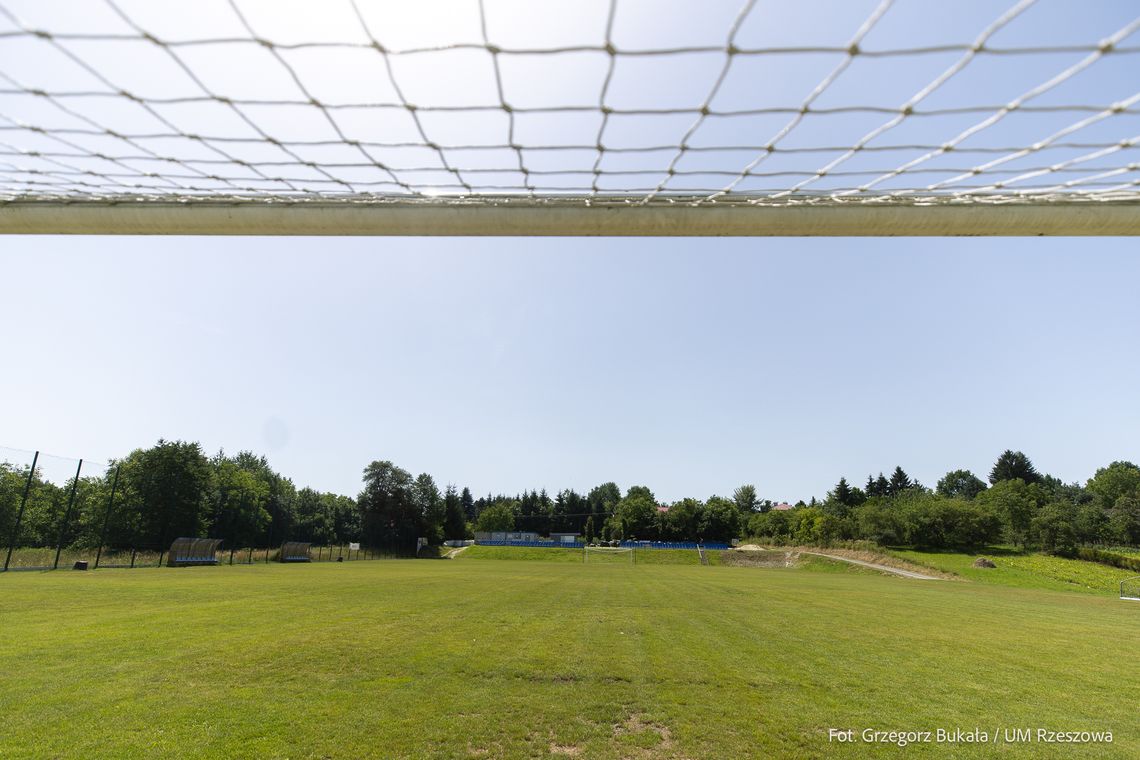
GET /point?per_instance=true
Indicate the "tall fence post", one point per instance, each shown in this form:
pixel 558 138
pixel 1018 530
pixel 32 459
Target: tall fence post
pixel 269 540
pixel 234 532
pixel 67 515
pixel 165 527
pixel 107 518
pixel 20 514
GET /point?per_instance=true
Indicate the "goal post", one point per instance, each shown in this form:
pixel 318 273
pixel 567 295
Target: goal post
pixel 623 555
pixel 1130 589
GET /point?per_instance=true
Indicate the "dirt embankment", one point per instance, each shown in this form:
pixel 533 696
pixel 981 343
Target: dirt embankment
pixel 880 558
pixel 755 556
pixel 786 556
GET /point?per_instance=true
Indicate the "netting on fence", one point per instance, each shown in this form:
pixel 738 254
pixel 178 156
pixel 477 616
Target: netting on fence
pixel 570 104
pixel 60 512
pixel 51 507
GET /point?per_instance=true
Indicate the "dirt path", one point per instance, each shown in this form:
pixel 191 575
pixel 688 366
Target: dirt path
pixel 455 553
pixel 872 565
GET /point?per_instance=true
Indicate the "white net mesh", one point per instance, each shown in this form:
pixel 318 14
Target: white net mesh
pixel 610 102
pixel 608 554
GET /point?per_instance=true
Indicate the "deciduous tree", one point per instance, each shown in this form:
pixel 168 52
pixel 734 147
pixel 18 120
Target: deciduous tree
pixel 960 484
pixel 636 514
pixel 388 513
pixel 745 499
pixel 719 521
pixel 497 517
pixel 1112 482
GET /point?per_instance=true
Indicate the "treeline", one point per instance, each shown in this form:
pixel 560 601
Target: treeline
pixel 393 499
pixel 174 489
pixel 604 514
pixel 1018 505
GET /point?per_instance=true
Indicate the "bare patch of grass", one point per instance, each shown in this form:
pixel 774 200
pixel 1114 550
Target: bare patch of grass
pixel 639 737
pixel 570 750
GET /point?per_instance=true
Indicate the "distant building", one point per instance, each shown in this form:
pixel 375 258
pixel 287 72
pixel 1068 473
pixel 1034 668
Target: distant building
pixel 662 508
pixel 783 506
pixel 565 538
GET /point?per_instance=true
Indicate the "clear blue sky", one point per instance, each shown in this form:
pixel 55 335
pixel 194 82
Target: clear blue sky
pixel 691 366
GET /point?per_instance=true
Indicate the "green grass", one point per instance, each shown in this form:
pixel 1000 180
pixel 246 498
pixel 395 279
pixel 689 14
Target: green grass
pixel 819 564
pixel 558 554
pixel 530 553
pixel 491 658
pixel 1025 570
pixel 676 557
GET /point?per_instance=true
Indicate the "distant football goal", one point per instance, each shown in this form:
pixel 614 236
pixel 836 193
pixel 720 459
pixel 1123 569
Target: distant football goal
pixel 610 554
pixel 1130 589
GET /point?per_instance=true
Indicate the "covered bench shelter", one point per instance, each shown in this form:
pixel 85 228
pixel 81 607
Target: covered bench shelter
pixel 186 552
pixel 295 551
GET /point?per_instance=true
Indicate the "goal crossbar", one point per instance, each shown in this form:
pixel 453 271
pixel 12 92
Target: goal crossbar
pixel 521 218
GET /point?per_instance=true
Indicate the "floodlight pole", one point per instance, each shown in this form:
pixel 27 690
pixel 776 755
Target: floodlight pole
pixel 107 518
pixel 20 514
pixel 67 515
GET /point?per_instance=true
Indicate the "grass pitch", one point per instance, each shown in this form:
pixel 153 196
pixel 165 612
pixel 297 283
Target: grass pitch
pixel 493 658
pixel 1025 570
pixel 560 554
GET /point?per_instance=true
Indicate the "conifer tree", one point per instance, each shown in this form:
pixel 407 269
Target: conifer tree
pixel 1012 465
pixel 900 482
pixel 454 522
pixel 842 493
pixel 468 505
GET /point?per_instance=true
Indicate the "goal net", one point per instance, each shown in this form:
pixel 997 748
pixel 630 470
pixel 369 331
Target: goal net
pixel 582 117
pixel 610 554
pixel 1130 588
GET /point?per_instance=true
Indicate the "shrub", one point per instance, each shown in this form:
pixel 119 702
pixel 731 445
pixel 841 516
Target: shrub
pixel 935 522
pixel 1108 558
pixel 1054 530
pixel 774 523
